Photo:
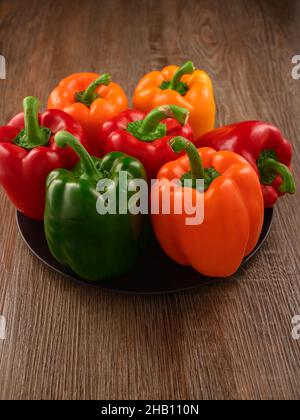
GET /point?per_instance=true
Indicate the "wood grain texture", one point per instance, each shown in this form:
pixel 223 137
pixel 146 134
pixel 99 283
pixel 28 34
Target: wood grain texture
pixel 228 340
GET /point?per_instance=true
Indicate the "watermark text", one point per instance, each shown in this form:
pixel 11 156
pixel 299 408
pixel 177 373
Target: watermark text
pixel 2 327
pixel 2 67
pixel 296 68
pixel 176 197
pixel 296 327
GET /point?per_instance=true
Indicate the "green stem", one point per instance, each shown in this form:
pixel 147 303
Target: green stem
pixel 187 68
pixel 63 139
pixel 89 95
pixel 33 134
pixel 270 166
pixel 151 129
pixel 32 126
pixel 180 144
pixel 153 119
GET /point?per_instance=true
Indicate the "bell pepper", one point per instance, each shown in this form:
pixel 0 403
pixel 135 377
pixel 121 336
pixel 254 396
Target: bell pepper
pixel 265 148
pixel 96 246
pixel 233 210
pixel 90 99
pixel 146 137
pixel 28 154
pixel 186 87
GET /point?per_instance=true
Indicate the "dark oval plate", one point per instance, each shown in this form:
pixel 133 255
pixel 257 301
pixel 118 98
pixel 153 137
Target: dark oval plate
pixel 155 273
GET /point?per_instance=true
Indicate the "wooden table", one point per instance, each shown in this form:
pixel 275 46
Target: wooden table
pixel 230 340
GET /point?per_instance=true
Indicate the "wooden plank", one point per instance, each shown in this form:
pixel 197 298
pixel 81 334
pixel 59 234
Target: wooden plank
pixel 228 340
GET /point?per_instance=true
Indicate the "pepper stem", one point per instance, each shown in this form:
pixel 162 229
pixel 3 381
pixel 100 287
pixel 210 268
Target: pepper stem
pixel 180 144
pixel 151 129
pixel 154 117
pixel 187 68
pixel 63 139
pixel 89 95
pixel 33 134
pixel 270 166
pixel 32 127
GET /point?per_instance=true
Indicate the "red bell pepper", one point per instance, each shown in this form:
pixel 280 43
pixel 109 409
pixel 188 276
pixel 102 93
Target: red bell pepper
pixel 264 146
pixel 28 153
pixel 146 137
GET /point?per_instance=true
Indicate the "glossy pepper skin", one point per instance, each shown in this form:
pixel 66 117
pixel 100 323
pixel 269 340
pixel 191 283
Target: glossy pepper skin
pixel 264 147
pixel 96 246
pixel 91 99
pixel 146 137
pixel 27 157
pixel 186 87
pixel 233 206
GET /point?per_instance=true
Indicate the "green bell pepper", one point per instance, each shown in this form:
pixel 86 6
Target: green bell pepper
pixel 96 246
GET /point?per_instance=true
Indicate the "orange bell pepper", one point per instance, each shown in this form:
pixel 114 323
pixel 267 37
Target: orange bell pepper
pixel 186 87
pixel 233 210
pixel 90 99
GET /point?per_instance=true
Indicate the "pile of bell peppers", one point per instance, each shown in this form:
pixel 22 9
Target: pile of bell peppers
pixel 51 165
